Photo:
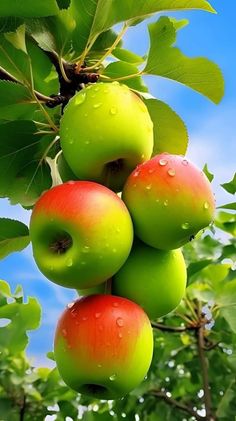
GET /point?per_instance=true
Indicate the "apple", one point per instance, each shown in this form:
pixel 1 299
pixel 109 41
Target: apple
pixel 154 279
pixel 104 288
pixel 103 346
pixel 105 132
pixel 81 234
pixel 64 170
pixel 170 200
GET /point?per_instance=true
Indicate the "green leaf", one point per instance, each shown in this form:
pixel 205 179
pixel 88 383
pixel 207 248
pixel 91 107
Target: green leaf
pixel 13 93
pixel 17 38
pixel 209 175
pixel 14 236
pixel 63 4
pixel 170 133
pixel 127 56
pixel 199 73
pixel 14 60
pixel 230 187
pixel 95 17
pixel 195 267
pixel 27 8
pixel 231 206
pixel 224 402
pixel 5 288
pixel 24 175
pixel 226 222
pixel 120 69
pixel 23 317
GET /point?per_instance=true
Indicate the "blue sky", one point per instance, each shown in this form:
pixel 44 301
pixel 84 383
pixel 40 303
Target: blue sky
pixel 212 139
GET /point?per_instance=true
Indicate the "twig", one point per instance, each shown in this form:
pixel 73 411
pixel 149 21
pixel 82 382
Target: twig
pixel 165 328
pixel 176 404
pixel 204 369
pixel 22 409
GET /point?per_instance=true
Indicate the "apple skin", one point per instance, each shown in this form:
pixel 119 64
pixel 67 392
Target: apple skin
pixel 64 170
pixel 81 234
pixel 104 288
pixel 154 279
pixel 105 132
pixel 170 200
pixel 103 346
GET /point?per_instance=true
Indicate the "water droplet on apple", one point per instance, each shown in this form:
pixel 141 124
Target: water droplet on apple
pixel 115 83
pixel 85 249
pixel 70 305
pixel 71 141
pixel 157 200
pixel 118 229
pixel 163 162
pixel 166 202
pixel 86 115
pixel 112 377
pixel 113 110
pixel 106 91
pixel 83 263
pixel 99 365
pixel 115 304
pixel 64 332
pixel 136 173
pixel 206 205
pixel 96 89
pixel 97 315
pixel 107 245
pixel 87 142
pixel 120 322
pixel 51 219
pixel 120 335
pixel 171 172
pixel 134 185
pixel 97 105
pixel 80 98
pixel 100 257
pixel 51 268
pixel 84 318
pixel 151 171
pixel 185 225
pixel 149 187
pixel 71 182
pixel 69 263
pixel 114 250
pixel 185 162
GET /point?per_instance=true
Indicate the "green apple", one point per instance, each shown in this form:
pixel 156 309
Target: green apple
pixel 170 200
pixel 103 346
pixel 104 288
pixel 154 279
pixel 65 171
pixel 105 132
pixel 81 234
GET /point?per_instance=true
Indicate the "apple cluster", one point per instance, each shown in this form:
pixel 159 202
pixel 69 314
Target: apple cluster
pixel 121 252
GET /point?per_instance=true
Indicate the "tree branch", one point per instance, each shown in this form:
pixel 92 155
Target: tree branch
pixel 177 329
pixel 177 404
pixel 22 409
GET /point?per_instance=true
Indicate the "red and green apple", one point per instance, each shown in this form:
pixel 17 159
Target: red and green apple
pixel 103 346
pixel 81 234
pixel 170 200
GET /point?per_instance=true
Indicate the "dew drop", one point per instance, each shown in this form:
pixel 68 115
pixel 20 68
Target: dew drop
pixel 113 110
pixel 83 263
pixel 185 162
pixel 166 202
pixel 163 162
pixel 71 182
pixel 97 105
pixel 171 172
pixel 51 219
pixel 114 250
pixel 99 365
pixel 149 187
pixel 106 91
pixel 64 332
pixel 136 173
pixel 120 335
pixel 70 305
pixel 96 89
pixel 86 115
pixel 115 83
pixel 185 225
pixel 84 318
pixel 85 249
pixel 69 263
pixel 87 142
pixel 115 304
pixel 51 268
pixel 80 98
pixel 118 229
pixel 206 206
pixel 71 141
pixel 151 171
pixel 97 315
pixel 134 185
pixel 112 377
pixel 157 200
pixel 120 322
